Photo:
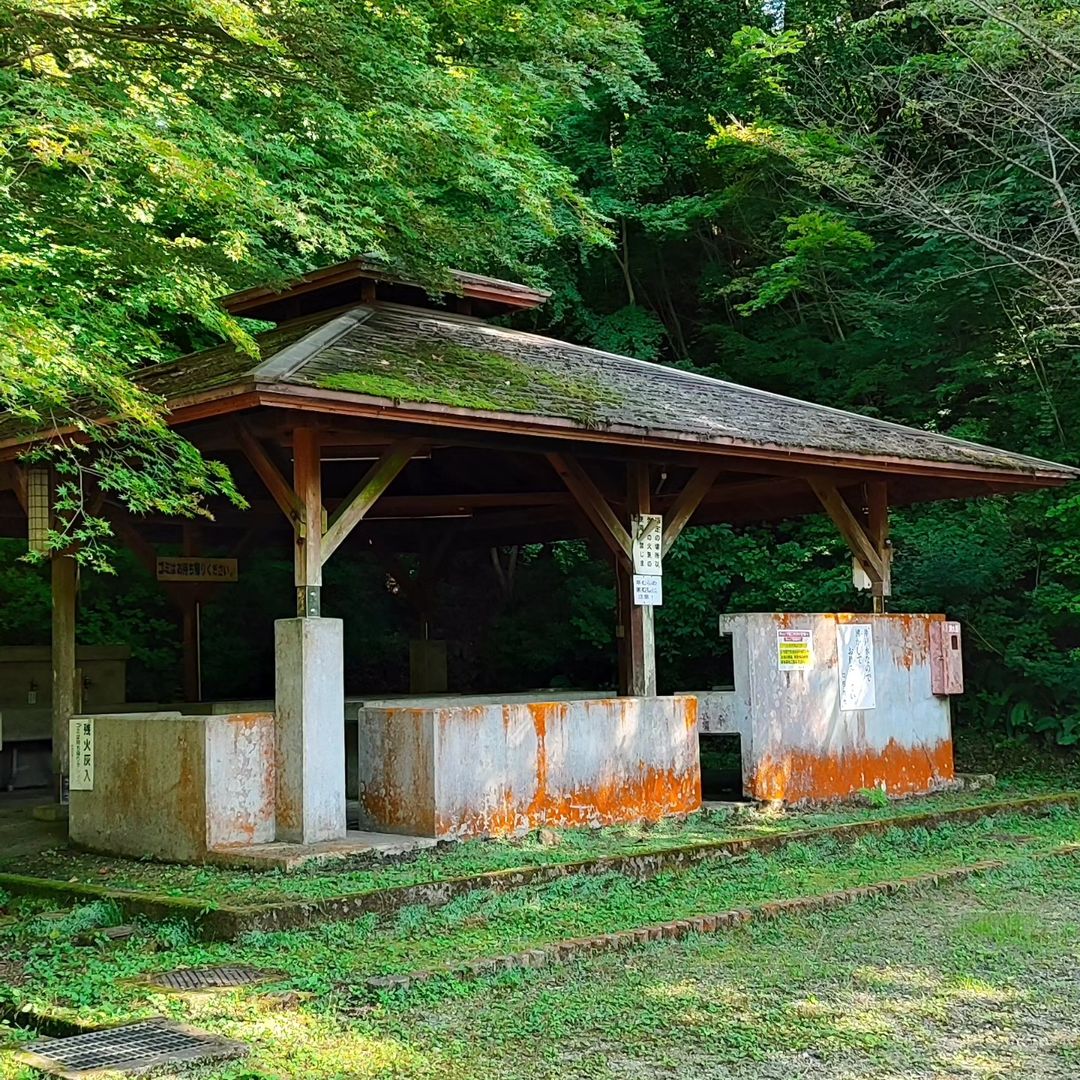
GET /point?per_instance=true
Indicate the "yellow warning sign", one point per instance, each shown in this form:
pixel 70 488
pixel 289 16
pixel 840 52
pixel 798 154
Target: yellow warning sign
pixel 794 650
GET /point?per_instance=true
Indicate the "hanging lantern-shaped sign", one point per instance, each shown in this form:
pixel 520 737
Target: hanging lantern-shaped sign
pixel 37 507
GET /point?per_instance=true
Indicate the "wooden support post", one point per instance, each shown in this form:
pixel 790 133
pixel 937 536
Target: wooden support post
pixel 190 613
pixel 307 484
pixel 877 522
pixel 639 638
pixel 65 586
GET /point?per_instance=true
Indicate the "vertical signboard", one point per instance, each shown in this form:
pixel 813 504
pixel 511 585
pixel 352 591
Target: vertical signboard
pixel 647 551
pixel 81 754
pixel 648 590
pixel 855 647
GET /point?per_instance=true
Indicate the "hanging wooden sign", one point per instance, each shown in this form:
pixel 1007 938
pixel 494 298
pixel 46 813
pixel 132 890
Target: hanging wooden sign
pixel 195 568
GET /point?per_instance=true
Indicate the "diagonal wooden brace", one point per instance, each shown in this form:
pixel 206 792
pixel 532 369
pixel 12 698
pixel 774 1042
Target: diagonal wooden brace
pixel 595 507
pixel 872 559
pixel 280 488
pixel 363 497
pixel 686 503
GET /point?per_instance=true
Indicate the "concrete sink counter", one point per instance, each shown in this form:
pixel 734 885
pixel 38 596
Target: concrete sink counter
pixel 497 765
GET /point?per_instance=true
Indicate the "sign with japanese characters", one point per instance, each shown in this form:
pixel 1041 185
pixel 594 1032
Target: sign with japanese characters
pixel 794 650
pixel 81 754
pixel 855 646
pixel 648 590
pixel 647 532
pixel 195 568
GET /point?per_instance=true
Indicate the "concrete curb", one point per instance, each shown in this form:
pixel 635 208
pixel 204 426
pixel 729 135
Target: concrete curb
pixel 226 922
pixel 571 949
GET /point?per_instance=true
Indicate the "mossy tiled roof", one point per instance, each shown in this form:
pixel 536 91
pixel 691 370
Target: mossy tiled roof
pixel 414 356
pixel 427 358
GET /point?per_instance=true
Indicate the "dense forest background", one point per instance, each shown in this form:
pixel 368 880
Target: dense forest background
pixel 868 205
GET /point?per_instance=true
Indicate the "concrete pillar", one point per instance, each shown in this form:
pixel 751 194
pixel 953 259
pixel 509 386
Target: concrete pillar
pixel 310 708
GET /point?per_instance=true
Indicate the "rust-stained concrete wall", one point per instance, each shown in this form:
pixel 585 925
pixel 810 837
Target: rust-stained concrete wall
pixel 491 768
pixel 171 787
pixel 797 743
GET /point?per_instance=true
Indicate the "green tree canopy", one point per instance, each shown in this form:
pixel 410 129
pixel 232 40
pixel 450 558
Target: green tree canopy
pixel 156 155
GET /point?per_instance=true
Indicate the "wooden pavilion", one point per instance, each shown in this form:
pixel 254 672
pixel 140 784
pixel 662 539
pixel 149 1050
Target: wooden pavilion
pixel 378 413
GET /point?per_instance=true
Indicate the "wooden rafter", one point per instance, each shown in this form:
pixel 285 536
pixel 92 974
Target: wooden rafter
pixel 593 505
pixel 360 500
pixel 851 529
pixel 686 502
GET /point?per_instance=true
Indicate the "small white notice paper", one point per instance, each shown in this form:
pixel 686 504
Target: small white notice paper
pixel 855 645
pixel 81 755
pixel 648 590
pixel 794 650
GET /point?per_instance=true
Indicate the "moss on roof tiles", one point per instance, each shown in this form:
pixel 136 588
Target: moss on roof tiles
pixel 464 377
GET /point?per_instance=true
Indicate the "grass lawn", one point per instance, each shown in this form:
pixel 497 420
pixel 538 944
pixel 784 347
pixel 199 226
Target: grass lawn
pixel 1022 777
pixel 976 980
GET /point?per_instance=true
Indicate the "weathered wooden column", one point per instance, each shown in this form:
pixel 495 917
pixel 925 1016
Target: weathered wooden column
pixel 309 677
pixel 65 587
pixel 877 526
pixel 307 483
pixel 638 638
pixel 189 612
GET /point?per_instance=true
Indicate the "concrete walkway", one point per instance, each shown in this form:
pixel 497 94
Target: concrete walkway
pixel 280 856
pixel 20 832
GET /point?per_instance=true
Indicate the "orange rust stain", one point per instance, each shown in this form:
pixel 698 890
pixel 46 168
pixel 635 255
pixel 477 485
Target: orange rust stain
pixel 406 759
pixel 646 792
pixel 690 713
pixel 650 795
pixel 802 775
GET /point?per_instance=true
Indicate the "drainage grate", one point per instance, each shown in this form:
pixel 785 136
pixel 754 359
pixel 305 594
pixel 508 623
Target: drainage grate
pixel 211 978
pixel 130 1049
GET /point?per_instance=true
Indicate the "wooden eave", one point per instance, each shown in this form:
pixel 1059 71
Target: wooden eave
pixel 508 294
pixel 343 403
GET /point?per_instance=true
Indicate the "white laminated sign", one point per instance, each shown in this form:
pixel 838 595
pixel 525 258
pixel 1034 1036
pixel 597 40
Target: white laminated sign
pixel 647 550
pixel 81 754
pixel 648 590
pixel 855 646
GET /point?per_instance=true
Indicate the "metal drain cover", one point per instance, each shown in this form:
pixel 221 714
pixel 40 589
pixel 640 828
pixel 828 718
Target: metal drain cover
pixel 131 1049
pixel 211 978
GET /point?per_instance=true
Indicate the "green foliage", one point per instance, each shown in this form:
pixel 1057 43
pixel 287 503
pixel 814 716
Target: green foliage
pixel 154 156
pixel 871 208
